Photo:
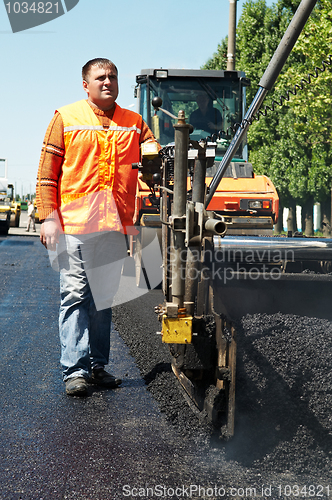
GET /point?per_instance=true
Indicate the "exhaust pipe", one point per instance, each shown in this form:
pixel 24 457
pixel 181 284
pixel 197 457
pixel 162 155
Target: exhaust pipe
pixel 216 227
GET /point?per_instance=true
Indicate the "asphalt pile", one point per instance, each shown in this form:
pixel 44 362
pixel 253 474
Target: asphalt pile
pixel 283 426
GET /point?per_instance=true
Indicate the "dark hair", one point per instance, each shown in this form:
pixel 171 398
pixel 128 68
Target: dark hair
pixel 98 61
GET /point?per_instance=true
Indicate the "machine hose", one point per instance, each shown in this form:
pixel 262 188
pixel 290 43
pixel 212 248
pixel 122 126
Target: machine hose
pixel 296 88
pixel 167 154
pixel 282 100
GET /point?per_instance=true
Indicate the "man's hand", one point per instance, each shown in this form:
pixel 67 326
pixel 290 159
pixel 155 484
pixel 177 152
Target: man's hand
pixel 49 234
pixel 212 126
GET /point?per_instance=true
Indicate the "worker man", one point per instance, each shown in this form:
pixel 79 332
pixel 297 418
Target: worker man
pixel 206 117
pixel 31 217
pixel 86 201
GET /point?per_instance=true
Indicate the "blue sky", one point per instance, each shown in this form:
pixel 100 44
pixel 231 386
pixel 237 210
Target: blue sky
pixel 41 67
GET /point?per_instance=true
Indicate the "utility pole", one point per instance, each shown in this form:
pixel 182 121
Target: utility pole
pixel 231 36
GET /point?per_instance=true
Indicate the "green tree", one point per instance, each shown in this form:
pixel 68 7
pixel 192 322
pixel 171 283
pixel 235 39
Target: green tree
pixel 259 31
pixel 271 150
pixel 292 145
pixel 311 112
pixel 312 106
pixel 219 58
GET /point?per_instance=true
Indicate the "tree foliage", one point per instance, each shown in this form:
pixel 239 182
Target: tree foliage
pixel 312 106
pixel 292 145
pixel 219 58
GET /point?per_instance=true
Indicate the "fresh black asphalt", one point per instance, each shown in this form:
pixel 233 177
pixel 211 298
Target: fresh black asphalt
pixel 116 444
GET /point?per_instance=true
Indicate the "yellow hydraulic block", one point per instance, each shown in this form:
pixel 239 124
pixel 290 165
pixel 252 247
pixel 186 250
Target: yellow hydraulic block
pixel 177 330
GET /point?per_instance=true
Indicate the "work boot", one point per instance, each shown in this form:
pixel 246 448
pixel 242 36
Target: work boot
pixel 76 386
pixel 103 379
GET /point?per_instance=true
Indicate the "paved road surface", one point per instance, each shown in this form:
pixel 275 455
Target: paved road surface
pixel 53 447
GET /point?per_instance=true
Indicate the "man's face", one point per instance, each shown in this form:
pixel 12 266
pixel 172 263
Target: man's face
pixel 102 87
pixel 203 102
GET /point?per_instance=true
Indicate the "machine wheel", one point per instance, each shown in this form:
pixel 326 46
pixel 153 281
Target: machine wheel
pixel 4 230
pixel 17 220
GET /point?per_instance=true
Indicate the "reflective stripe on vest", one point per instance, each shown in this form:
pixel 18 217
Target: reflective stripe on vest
pixel 90 127
pixel 98 185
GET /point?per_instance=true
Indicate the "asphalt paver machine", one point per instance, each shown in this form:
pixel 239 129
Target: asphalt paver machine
pixel 209 278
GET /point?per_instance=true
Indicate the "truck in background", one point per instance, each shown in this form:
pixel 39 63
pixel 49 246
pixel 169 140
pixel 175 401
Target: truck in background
pixel 248 202
pixel 10 209
pixel 214 102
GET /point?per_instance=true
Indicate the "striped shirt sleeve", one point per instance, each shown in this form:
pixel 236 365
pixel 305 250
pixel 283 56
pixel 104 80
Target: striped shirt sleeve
pixel 49 170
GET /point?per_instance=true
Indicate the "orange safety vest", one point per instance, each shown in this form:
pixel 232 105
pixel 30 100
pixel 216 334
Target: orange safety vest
pixel 97 186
